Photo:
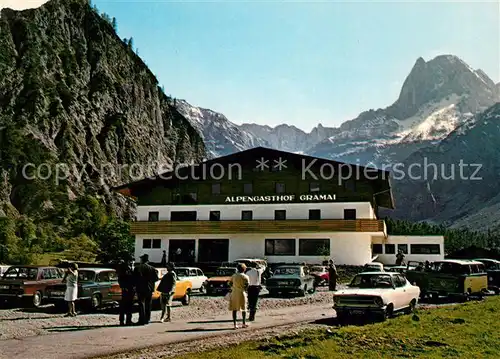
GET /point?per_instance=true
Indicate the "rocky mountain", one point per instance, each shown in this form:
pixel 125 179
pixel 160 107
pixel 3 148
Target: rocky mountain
pixel 76 99
pixel 221 136
pixel 456 181
pixel 290 138
pixel 436 97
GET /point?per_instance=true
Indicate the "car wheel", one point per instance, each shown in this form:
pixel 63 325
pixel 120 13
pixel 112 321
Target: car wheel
pixel 37 299
pixel 95 302
pixel 186 299
pixel 497 290
pixel 388 313
pixel 203 288
pixel 302 292
pixel 312 290
pixel 411 307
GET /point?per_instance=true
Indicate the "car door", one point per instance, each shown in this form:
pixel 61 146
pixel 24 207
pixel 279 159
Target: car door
pixel 399 292
pixel 193 278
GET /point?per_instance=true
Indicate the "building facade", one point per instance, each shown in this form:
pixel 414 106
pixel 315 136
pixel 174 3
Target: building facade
pixel 261 203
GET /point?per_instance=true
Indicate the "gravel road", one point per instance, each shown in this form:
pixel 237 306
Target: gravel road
pixel 19 323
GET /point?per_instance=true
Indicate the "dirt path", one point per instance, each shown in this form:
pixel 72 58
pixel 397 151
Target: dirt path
pixel 112 340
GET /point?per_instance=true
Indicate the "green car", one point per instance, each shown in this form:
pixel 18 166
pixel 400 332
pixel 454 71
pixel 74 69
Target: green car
pixel 96 287
pixel 492 267
pixel 291 279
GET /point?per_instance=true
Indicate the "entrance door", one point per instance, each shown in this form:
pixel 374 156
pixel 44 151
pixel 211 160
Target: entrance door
pixel 213 250
pixel 181 251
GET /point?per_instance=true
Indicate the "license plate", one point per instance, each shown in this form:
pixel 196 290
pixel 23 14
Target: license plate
pixel 57 294
pixel 4 287
pixel 357 312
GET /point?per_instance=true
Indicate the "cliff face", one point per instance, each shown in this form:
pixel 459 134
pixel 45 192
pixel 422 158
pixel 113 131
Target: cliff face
pixel 72 92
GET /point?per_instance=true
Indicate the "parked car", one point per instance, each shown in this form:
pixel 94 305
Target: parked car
pixel 291 279
pixel 398 269
pixel 195 275
pixel 320 274
pixel 373 267
pixel 3 269
pixel 96 288
pixel 248 261
pixel 219 284
pixel 376 294
pixel 492 267
pixel 183 288
pixel 27 284
pixel 451 278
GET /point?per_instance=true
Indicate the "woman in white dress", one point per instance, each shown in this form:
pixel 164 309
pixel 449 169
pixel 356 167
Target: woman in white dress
pixel 71 280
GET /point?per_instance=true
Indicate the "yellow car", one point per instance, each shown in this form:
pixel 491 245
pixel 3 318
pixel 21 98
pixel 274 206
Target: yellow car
pixel 183 288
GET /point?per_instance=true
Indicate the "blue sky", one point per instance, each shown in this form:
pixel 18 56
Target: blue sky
pixel 301 63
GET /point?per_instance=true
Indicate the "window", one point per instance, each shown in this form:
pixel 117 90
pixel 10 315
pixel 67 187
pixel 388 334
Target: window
pixel 146 243
pixel 280 188
pixel 246 215
pixel 349 214
pixel 47 274
pixel 183 216
pixel 113 276
pixel 280 214
pixel 390 249
pixel 376 248
pixel 103 277
pixel 247 188
pixel 315 214
pixel 280 247
pixel 215 215
pixel 216 188
pixel 314 187
pixel 403 248
pixel 156 243
pixel 192 273
pixel 154 216
pixel 425 249
pixel 399 281
pixel 199 273
pixel 314 247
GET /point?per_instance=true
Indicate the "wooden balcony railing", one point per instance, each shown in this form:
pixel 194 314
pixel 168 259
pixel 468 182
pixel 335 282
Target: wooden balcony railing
pixel 260 226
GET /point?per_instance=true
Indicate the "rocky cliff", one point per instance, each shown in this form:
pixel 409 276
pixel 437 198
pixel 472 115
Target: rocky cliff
pixel 73 93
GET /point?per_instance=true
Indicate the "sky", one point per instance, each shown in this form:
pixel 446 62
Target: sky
pixel 300 63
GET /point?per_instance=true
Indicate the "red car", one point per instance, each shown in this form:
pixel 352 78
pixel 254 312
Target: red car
pixel 321 274
pixel 26 285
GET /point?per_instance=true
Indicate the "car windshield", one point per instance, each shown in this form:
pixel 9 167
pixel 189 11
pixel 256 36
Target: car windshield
pixel 224 272
pixel 21 273
pixel 371 281
pixel 182 272
pixel 287 270
pixel 86 276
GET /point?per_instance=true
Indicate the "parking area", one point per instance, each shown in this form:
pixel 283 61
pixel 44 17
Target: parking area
pixel 19 322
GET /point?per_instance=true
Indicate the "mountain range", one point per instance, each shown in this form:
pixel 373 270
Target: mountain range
pixel 443 109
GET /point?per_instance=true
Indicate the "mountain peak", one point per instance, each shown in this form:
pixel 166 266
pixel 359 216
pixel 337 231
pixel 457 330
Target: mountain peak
pixel 437 79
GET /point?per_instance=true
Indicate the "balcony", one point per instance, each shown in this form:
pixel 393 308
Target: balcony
pixel 258 226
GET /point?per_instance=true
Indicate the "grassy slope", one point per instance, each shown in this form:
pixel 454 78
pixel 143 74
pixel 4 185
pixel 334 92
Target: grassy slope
pixel 470 330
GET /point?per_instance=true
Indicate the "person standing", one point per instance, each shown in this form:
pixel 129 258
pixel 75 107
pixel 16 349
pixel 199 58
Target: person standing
pixel 167 290
pixel 238 296
pixel 164 259
pixel 254 274
pixel 145 277
pixel 126 282
pixel 399 258
pixel 71 294
pixel 332 276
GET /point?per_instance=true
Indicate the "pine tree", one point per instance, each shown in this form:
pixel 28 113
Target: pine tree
pixel 115 25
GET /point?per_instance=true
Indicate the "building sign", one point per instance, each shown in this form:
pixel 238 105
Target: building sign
pixel 283 198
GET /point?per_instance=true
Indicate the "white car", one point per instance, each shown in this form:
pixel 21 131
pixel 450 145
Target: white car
pixel 194 275
pixel 3 269
pixel 378 294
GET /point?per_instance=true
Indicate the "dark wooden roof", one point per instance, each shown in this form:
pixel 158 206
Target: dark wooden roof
pixel 380 178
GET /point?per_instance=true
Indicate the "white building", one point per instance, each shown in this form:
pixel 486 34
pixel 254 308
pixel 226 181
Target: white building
pixel 415 248
pixel 278 214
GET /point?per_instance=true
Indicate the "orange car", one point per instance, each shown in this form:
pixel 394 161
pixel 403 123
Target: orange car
pixel 183 288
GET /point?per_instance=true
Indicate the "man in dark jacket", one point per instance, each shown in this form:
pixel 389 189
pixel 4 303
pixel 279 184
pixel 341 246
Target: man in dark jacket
pixel 145 279
pixel 126 282
pixel 332 276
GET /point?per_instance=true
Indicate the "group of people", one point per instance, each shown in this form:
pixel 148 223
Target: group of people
pixel 141 281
